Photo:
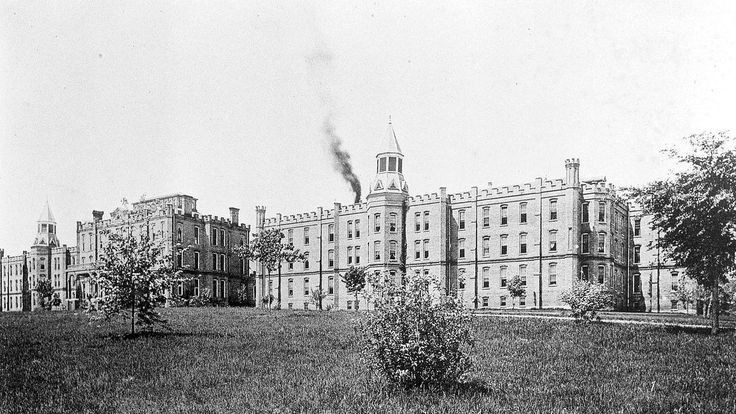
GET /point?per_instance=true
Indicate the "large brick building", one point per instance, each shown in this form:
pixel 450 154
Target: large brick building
pixel 199 245
pixel 549 232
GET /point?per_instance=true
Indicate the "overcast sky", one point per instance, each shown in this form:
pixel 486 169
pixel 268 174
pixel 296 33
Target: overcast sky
pixel 226 101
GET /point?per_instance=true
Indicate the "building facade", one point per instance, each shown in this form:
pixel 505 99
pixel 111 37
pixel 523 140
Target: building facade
pixel 198 245
pixel 548 232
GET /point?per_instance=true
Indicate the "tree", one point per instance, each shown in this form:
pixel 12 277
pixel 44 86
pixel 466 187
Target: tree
pixel 133 277
pixel 354 280
pixel 46 294
pixel 516 288
pixel 695 212
pixel 684 293
pixel 317 296
pixel 586 299
pixel 267 249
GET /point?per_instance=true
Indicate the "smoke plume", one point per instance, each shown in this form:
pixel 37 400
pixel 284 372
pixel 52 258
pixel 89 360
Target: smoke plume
pixel 341 158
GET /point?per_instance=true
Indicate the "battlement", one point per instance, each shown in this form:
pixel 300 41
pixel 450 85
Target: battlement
pixel 509 190
pixel 424 198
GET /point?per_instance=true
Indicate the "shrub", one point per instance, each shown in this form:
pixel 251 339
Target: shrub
pixel 416 336
pixel 586 299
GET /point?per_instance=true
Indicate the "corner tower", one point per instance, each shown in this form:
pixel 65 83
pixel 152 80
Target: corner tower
pixel 387 206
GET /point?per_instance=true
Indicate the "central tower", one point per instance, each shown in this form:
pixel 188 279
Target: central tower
pixel 387 208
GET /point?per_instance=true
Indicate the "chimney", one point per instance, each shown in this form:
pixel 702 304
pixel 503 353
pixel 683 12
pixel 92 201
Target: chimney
pixel 260 218
pixel 572 170
pixel 234 212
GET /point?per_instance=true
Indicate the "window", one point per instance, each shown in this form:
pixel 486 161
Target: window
pixel 382 165
pixel 417 221
pixel 504 215
pixel 418 249
pixel 522 300
pixel 196 260
pixel 602 211
pixel 522 243
pixel 392 163
pixel 637 282
pixel 214 261
pixel 306 236
pixel 377 223
pixel 485 301
pixel 673 305
pixel 522 274
pixel 504 245
pixel 461 248
pixel 585 243
pixel 461 219
pixel 400 170
pixel 426 221
pixel 392 246
pixel 392 222
pixel 584 272
pixel 377 251
pixel 637 227
pixel 350 304
pixel 178 233
pixel 553 274
pixel 357 255
pixel 426 249
pixel 461 278
pixel 331 233
pixel 350 255
pixel 214 288
pixel 222 263
pixel 306 305
pixel 214 237
pixel 330 259
pixel 486 277
pixel 601 274
pixel 223 289
pixel 306 286
pixel 637 254
pixel 290 236
pixel 350 229
pixel 330 285
pixel 522 213
pixel 585 212
pixel 486 246
pixel 290 306
pixel 553 209
pixel 179 257
pixel 291 266
pixel 553 240
pixel 290 288
pixel 502 300
pixel 486 217
pixel 306 264
pixel 502 275
pixel 601 242
pixel 357 229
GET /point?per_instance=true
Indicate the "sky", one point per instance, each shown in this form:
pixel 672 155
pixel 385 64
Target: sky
pixel 227 101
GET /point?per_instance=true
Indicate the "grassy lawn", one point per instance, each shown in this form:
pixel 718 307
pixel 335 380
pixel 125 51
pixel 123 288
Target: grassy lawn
pixel 245 360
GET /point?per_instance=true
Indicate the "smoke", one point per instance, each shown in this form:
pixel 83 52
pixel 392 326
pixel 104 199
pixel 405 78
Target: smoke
pixel 321 68
pixel 341 157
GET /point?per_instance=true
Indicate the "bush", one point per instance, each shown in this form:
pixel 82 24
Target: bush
pixel 416 336
pixel 586 299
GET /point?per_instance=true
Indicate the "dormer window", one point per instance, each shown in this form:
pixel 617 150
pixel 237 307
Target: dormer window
pixel 382 165
pixel 392 163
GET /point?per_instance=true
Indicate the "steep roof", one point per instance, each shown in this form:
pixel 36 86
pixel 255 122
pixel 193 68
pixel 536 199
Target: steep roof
pixel 46 214
pixel 390 143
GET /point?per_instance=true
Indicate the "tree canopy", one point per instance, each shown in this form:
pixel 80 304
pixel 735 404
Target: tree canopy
pixel 694 211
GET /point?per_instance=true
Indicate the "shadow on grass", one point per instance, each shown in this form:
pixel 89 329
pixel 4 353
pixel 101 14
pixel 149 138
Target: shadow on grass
pixel 701 330
pixel 157 334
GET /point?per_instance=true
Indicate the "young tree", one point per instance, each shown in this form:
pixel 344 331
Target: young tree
pixel 133 276
pixel 46 294
pixel 354 280
pixel 695 212
pixel 516 289
pixel 684 293
pixel 268 249
pixel 317 296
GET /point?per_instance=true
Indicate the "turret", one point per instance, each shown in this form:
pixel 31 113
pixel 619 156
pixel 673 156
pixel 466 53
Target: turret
pixel 46 228
pixel 572 168
pixel 389 166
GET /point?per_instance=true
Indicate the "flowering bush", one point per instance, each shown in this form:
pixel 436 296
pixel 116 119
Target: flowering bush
pixel 416 335
pixel 586 299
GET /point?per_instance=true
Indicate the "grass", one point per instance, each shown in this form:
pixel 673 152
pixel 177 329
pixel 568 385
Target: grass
pixel 245 360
